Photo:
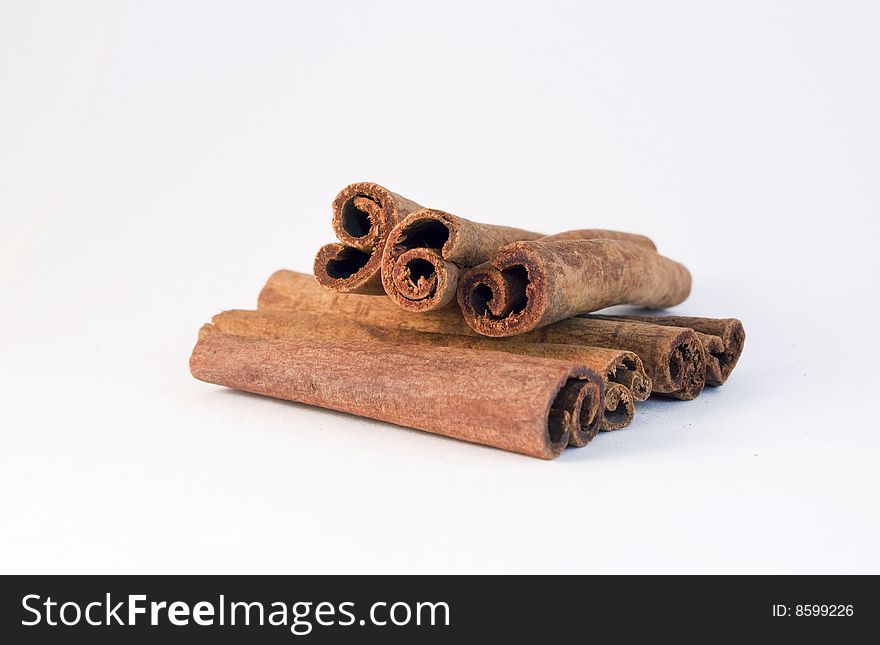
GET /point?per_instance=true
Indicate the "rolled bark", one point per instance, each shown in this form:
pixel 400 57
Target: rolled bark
pixel 722 338
pixel 363 215
pixel 427 251
pixel 528 285
pixel 673 357
pixel 501 400
pixel 619 408
pixel 289 296
pixel 667 354
pixel 602 363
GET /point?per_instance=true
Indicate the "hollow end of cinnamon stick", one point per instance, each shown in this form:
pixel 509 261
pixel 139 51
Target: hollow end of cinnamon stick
pixel 619 408
pixel 686 367
pixel 428 250
pixel 628 370
pixel 348 270
pixel 363 215
pixel 506 296
pixel 578 406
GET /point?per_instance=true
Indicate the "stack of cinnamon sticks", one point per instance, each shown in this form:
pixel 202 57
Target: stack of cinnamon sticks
pixel 474 331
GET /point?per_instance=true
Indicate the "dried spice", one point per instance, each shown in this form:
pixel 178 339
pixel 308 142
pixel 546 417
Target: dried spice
pixel 722 338
pixel 427 251
pixel 502 400
pixel 528 285
pixel 297 293
pixel 363 215
pixel 608 366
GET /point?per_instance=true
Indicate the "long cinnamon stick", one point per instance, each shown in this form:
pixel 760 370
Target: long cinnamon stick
pixel 427 251
pixel 722 338
pixel 673 358
pixel 363 215
pixel 528 285
pixel 308 312
pixel 501 400
pixel 604 364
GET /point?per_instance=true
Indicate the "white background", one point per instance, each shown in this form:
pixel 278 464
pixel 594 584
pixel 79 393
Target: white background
pixel 160 159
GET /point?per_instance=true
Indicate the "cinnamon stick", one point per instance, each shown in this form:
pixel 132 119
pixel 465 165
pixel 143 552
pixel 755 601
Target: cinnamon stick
pixel 608 366
pixel 296 292
pixel 501 400
pixel 673 358
pixel 363 215
pixel 528 285
pixel 722 338
pixel 427 251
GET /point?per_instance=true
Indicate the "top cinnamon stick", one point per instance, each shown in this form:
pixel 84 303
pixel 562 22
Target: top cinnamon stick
pixel 528 285
pixel 363 215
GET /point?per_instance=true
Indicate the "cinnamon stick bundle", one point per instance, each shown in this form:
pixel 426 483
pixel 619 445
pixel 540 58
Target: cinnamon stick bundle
pixel 363 215
pixel 517 403
pixel 297 292
pixel 427 251
pixel 609 367
pixel 722 338
pixel 528 285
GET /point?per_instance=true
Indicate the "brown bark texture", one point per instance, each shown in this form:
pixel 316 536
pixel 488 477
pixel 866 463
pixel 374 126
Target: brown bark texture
pixel 602 234
pixel 427 251
pixel 673 357
pixel 602 363
pixel 528 285
pixel 722 338
pixel 363 215
pixel 501 400
pixel 294 291
pixel 297 294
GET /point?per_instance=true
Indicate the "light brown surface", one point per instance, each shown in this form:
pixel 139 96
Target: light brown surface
pixel 293 291
pixel 311 307
pixel 491 398
pixel 298 325
pixel 528 285
pixel 363 215
pixel 673 358
pixel 602 234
